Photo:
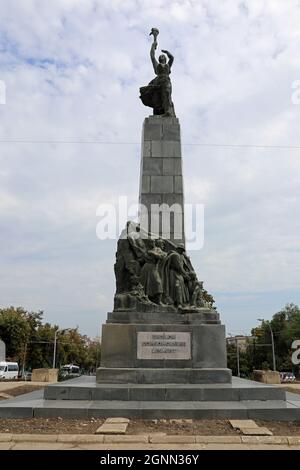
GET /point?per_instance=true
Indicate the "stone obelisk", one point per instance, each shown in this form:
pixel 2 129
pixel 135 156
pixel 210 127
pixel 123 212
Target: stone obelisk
pixel 161 182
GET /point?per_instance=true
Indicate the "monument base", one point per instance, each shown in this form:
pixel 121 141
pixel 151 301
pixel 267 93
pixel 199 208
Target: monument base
pixel 141 348
pixel 84 398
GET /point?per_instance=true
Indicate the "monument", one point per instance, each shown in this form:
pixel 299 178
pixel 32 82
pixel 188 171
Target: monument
pixel 164 328
pixel 163 351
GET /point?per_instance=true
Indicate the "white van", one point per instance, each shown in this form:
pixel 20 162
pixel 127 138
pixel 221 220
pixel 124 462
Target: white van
pixel 9 370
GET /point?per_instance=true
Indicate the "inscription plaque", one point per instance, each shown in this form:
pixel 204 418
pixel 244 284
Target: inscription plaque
pixel 163 345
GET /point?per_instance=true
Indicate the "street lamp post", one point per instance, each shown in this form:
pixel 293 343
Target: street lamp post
pixel 55 344
pixel 272 341
pixel 54 349
pixel 237 357
pixel 237 354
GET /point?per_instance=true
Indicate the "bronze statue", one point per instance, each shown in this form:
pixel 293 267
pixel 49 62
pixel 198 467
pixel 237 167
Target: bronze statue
pixel 196 293
pixel 158 94
pixel 156 273
pixel 176 277
pixel 150 275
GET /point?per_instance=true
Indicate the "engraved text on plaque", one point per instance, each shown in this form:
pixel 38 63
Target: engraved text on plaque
pixel 163 345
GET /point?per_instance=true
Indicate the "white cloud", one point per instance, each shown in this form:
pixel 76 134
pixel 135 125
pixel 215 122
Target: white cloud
pixel 72 71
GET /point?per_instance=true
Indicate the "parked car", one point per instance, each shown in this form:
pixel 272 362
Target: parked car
pixel 25 375
pixel 287 377
pixel 9 370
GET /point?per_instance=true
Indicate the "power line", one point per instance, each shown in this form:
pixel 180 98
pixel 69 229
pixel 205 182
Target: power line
pixel 292 147
pixel 103 142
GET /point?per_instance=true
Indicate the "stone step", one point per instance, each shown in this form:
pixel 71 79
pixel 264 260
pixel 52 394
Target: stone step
pixel 266 410
pixel 163 375
pixel 162 392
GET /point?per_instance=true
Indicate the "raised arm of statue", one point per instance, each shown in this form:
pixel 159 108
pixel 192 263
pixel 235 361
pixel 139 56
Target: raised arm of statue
pixel 152 55
pixel 170 57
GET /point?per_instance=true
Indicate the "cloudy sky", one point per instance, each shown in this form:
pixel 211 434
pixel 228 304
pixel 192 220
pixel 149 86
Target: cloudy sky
pixel 70 133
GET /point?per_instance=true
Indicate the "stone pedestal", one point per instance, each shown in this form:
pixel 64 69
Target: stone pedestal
pixel 184 349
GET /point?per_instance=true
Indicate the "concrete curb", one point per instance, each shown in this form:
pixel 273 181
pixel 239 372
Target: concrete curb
pixel 148 439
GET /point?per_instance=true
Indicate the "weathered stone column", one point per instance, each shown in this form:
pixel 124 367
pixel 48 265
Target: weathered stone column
pixel 161 185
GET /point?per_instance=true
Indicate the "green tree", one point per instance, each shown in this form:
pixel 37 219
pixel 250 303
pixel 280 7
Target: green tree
pixel 244 360
pixel 15 332
pixel 30 342
pixel 285 325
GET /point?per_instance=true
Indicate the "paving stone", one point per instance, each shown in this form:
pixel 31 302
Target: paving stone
pixel 172 439
pixel 244 423
pixel 6 445
pixel 264 440
pixel 40 446
pixel 141 438
pixel 92 446
pixel 116 420
pixel 5 437
pixel 294 440
pixel 85 438
pixel 218 439
pixel 5 396
pixel 256 431
pixel 34 437
pixel 221 446
pixel 268 447
pixel 113 428
pixel 75 447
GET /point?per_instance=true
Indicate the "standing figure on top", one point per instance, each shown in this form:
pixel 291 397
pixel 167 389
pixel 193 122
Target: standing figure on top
pixel 158 94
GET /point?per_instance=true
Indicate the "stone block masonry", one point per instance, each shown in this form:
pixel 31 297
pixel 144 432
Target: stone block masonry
pixel 161 187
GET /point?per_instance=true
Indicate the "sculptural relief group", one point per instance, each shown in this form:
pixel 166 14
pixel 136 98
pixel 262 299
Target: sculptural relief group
pixel 156 272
